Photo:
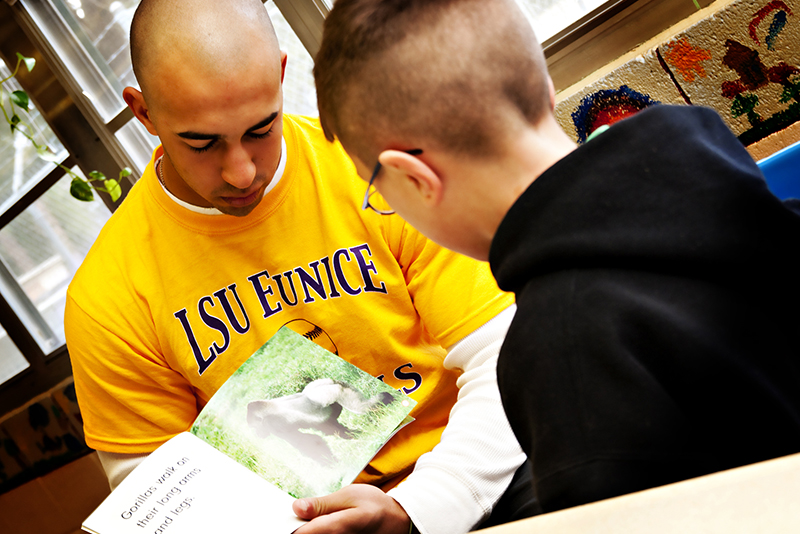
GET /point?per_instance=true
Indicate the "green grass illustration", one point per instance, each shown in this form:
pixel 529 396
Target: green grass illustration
pixel 284 366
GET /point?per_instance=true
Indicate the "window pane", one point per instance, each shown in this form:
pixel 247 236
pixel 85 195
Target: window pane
pixel 91 37
pixel 138 143
pixel 20 166
pixel 299 94
pixel 40 252
pixel 11 360
pixel 548 17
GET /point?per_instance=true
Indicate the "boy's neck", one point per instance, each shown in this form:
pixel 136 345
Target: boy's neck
pixel 529 155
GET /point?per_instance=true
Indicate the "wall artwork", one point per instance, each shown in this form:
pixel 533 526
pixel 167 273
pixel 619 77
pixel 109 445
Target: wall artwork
pixel 742 60
pixel 751 76
pixel 607 106
pixel 632 87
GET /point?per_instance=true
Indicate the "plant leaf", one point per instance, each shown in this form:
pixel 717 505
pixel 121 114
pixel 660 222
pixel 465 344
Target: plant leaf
pixel 114 190
pixel 125 172
pixel 20 99
pixel 46 154
pixel 96 175
pixel 29 61
pixel 81 190
pixel 15 120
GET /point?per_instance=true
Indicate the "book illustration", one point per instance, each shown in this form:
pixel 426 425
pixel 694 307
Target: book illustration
pixel 317 407
pixel 301 417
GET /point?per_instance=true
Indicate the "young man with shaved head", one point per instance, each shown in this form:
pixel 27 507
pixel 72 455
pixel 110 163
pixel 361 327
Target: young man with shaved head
pixel 655 275
pixel 246 220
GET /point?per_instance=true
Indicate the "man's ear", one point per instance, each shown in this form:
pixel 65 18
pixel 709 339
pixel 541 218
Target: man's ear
pixel 283 64
pixel 135 100
pixel 420 176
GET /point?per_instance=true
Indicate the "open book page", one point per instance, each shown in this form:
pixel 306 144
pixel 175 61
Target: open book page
pixel 301 417
pixel 186 487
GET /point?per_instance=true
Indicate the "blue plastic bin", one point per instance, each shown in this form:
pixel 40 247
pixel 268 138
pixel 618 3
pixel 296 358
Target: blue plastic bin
pixel 782 171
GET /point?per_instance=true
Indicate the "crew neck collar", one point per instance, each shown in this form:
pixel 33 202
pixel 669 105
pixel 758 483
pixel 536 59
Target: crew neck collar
pixel 214 211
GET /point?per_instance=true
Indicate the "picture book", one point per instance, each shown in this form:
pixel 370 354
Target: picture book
pixel 293 421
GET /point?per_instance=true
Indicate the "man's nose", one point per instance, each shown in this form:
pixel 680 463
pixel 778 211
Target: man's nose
pixel 238 168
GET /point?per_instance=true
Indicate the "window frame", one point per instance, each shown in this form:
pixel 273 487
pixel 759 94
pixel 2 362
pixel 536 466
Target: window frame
pixel 91 145
pixel 608 33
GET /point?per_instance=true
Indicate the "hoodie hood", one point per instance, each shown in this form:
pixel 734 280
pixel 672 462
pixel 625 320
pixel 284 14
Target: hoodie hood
pixel 670 189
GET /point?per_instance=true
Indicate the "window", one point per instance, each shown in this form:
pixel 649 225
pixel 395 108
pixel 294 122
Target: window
pixel 20 166
pixel 40 250
pixel 44 232
pixel 29 270
pixel 548 17
pixel 92 44
pixel 299 94
pixel 12 362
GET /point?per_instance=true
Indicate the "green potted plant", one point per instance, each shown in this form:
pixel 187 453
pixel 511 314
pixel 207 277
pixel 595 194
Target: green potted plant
pixel 81 188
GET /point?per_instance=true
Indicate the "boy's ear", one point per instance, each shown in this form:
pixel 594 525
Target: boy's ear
pixel 420 176
pixel 135 100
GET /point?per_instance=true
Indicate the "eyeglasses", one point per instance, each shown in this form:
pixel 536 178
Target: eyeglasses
pixel 371 190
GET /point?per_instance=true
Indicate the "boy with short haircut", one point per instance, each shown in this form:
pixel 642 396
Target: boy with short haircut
pixel 655 275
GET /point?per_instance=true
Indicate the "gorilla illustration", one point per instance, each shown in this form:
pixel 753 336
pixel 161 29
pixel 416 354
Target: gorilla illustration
pixel 317 407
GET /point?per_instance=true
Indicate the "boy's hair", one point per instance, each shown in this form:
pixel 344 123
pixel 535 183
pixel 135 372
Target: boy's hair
pixel 448 72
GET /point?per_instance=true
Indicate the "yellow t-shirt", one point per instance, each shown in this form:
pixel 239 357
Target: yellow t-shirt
pixel 169 302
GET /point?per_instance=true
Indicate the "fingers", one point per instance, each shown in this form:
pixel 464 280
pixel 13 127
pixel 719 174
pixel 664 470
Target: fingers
pixel 359 508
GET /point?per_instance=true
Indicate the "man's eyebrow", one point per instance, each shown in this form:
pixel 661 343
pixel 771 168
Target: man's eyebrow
pixel 199 136
pixel 209 137
pixel 263 123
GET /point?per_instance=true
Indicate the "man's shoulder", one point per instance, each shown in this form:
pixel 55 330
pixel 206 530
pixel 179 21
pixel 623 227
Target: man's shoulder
pixel 310 152
pixel 117 238
pixel 306 134
pixel 302 121
pixel 302 126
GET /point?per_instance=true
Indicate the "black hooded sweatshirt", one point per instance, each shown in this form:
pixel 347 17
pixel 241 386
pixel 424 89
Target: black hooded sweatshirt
pixel 657 336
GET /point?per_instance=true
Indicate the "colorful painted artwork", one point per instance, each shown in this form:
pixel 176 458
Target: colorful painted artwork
pixel 686 59
pixel 742 60
pixel 751 77
pixel 607 106
pixel 634 86
pixel 754 74
pixel 780 12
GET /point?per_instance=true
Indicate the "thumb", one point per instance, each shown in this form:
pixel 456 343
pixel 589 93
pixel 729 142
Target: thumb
pixel 312 507
pixel 306 508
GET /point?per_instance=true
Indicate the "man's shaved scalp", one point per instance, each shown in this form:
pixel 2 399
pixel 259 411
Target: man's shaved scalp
pixel 449 72
pixel 211 34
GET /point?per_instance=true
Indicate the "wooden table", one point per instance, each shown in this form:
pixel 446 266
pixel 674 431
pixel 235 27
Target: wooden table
pixel 762 498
